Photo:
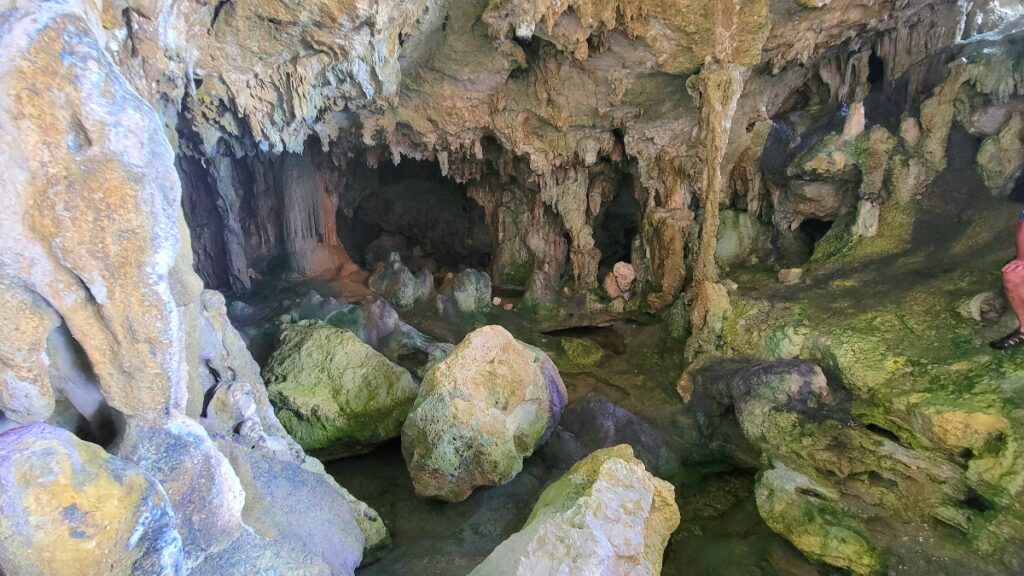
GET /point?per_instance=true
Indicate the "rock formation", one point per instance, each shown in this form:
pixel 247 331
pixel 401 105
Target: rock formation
pixel 586 158
pixel 606 515
pixel 334 394
pixel 480 412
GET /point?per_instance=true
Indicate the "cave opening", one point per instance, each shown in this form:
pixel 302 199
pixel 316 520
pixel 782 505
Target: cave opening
pixel 813 230
pixel 618 224
pixel 413 209
pixel 876 69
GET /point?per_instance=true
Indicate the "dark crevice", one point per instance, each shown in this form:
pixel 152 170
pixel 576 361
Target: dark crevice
pixel 413 209
pixel 129 26
pixel 814 229
pixel 876 69
pixel 216 12
pixel 883 432
pixel 976 502
pixel 618 224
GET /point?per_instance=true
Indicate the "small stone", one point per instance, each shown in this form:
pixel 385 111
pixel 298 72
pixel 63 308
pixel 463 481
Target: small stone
pixel 496 301
pixel 619 282
pixel 508 306
pixel 730 286
pixel 985 307
pixel 790 275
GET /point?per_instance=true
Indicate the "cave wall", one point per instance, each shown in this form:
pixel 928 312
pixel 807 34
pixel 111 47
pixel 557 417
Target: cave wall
pixel 539 110
pixel 480 88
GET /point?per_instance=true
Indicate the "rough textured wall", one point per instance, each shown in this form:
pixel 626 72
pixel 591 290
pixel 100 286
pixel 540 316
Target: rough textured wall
pixel 536 98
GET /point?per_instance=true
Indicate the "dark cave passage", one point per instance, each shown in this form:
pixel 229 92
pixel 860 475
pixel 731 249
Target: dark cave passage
pixel 618 224
pixel 412 209
pixel 309 215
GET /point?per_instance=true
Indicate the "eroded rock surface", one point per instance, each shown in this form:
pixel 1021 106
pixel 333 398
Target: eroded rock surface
pixel 606 515
pixel 68 507
pixel 334 394
pixel 480 412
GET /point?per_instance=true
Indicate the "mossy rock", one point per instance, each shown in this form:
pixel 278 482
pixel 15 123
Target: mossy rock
pixel 334 394
pixel 577 354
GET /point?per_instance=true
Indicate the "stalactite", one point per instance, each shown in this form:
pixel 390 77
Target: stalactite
pixel 718 88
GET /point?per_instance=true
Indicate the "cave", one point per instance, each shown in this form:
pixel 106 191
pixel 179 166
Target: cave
pixel 415 210
pixel 617 224
pixel 365 289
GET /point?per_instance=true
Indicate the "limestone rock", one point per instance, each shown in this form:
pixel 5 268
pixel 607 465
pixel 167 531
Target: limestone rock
pixel 480 412
pixel 204 492
pixel 577 354
pixel 252 555
pixel 596 422
pixel 334 394
pixel 1001 157
pixel 89 231
pixel 607 515
pixel 619 282
pixel 399 285
pixel 741 238
pixel 298 505
pixel 68 507
pixel 806 513
pixel 467 292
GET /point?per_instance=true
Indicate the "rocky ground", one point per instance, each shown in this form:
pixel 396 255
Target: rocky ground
pixel 548 287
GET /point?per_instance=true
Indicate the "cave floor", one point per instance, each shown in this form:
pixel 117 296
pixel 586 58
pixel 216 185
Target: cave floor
pixel 721 532
pixel 900 292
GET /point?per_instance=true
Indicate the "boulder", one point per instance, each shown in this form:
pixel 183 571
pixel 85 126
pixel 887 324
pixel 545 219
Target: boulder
pixel 824 200
pixel 467 292
pixel 68 507
pixel 334 394
pixel 394 281
pixel 577 354
pixel 252 555
pixel 619 282
pixel 376 323
pixel 297 504
pixel 1001 157
pixel 480 412
pixel 607 515
pixel 596 422
pixel 203 490
pixel 808 514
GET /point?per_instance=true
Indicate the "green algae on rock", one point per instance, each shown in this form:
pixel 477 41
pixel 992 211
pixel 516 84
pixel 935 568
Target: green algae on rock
pixel 577 354
pixel 480 412
pixel 334 394
pixel 606 515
